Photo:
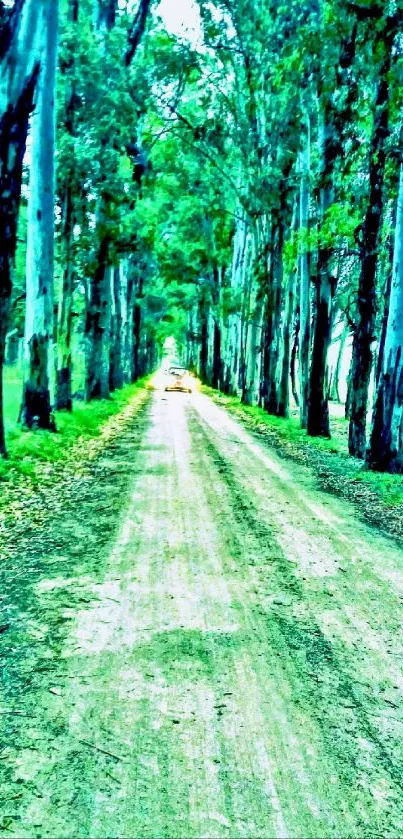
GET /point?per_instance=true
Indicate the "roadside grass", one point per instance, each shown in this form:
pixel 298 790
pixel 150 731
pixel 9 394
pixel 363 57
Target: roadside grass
pixel 28 449
pixel 378 496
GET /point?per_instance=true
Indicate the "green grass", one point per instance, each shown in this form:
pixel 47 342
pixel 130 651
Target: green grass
pixel 12 396
pixel 288 430
pixel 27 449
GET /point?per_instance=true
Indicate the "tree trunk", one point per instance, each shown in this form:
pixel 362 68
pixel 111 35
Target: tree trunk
pixel 137 332
pixel 349 396
pixel 217 363
pixel 293 360
pixel 203 360
pixel 127 291
pixel 97 328
pixel 386 446
pixel 384 326
pixel 273 336
pixel 318 408
pixel 19 69
pixel 64 399
pixel 305 284
pixel 284 366
pixel 365 328
pixel 106 16
pixel 116 376
pixel 334 393
pixel 36 407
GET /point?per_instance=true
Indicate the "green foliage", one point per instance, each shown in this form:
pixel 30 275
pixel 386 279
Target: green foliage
pixel 27 449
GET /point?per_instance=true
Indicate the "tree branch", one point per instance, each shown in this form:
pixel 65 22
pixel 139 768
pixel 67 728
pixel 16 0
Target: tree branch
pixel 137 29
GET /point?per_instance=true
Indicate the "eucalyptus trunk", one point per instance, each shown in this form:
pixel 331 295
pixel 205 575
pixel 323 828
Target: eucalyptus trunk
pixel 64 398
pixel 293 359
pixel 334 390
pixel 386 445
pixel 116 371
pixel 97 328
pixel 318 409
pixel 364 334
pixel 284 365
pixel 37 401
pixel 19 69
pixel 272 333
pixel 137 362
pixel 305 284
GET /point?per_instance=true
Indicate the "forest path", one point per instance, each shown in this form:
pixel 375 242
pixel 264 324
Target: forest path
pixel 225 655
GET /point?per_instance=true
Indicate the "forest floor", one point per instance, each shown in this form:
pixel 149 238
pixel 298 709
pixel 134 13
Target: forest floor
pixel 198 642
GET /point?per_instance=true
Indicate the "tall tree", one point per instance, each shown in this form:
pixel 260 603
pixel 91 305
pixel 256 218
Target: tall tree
pixel 386 445
pixel 21 33
pixel 37 407
pixel 388 27
pixel 68 188
pixel 304 274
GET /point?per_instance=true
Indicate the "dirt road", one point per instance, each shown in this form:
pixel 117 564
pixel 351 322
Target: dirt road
pixel 209 647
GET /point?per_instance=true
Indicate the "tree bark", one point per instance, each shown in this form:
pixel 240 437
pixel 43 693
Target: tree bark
pixel 272 334
pixel 106 17
pixel 365 329
pixel 318 408
pixel 386 445
pixel 203 358
pixel 137 331
pixel 284 380
pixel 305 284
pixel 293 360
pixel 334 392
pixel 64 400
pixel 116 375
pixel 97 328
pixel 19 69
pixel 37 407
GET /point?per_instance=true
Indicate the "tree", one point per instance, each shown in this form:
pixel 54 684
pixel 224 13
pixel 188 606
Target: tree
pixel 69 190
pixel 369 235
pixel 21 33
pixel 37 402
pixel 386 445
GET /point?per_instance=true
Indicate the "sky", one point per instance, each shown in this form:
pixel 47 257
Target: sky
pixel 181 17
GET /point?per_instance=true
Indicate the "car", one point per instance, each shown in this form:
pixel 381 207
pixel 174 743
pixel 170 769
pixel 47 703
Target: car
pixel 180 380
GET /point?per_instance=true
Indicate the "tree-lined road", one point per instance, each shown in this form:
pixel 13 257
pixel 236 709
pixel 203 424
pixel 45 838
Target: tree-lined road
pixel 232 659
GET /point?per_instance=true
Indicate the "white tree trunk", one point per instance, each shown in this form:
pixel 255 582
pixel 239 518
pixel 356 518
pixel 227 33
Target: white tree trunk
pixel 386 447
pixel 39 374
pixel 19 68
pixel 305 284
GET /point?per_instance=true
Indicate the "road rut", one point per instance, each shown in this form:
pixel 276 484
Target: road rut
pixel 229 656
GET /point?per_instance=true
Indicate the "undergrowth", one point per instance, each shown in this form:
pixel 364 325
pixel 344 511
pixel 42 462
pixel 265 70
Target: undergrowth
pixel 28 449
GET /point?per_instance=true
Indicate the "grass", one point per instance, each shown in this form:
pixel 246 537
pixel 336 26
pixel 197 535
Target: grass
pixel 379 496
pixel 286 429
pixel 27 449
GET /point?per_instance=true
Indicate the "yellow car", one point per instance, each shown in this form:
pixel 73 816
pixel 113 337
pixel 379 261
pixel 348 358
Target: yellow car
pixel 180 380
